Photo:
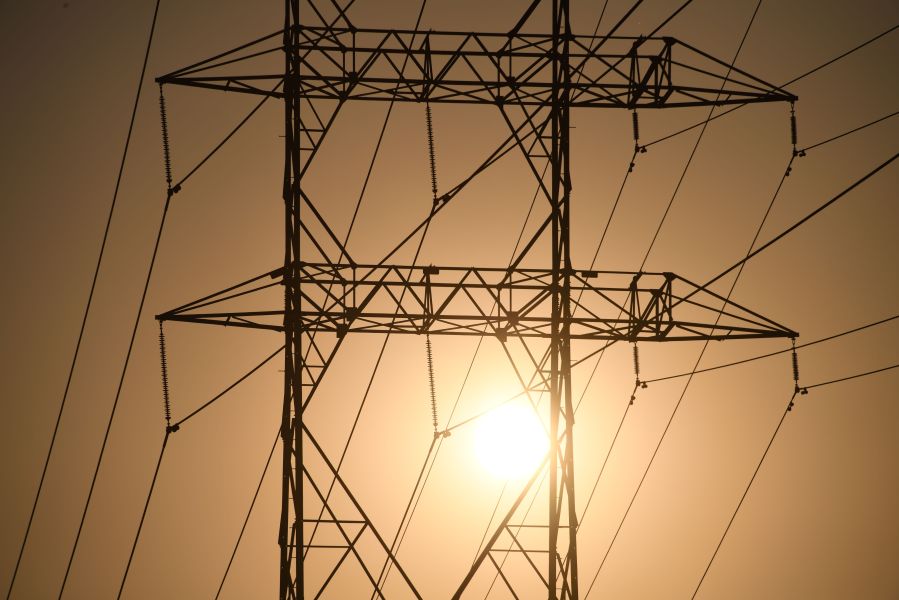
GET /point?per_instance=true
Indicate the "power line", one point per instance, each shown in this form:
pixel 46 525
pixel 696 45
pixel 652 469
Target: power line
pixel 143 514
pixel 699 138
pixel 249 512
pixel 517 243
pixel 856 376
pixel 134 329
pixel 845 133
pixel 209 402
pixel 225 140
pixel 800 390
pixel 794 80
pixel 739 265
pixel 769 354
pixel 117 395
pixel 346 239
pixel 745 492
pixel 90 297
pixel 793 227
pixel 702 352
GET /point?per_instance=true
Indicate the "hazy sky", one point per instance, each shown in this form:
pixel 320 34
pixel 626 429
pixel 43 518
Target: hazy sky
pixel 820 519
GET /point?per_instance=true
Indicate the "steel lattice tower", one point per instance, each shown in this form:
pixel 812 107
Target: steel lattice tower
pixel 534 81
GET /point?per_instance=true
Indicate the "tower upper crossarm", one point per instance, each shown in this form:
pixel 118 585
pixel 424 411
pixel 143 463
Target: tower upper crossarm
pixel 480 68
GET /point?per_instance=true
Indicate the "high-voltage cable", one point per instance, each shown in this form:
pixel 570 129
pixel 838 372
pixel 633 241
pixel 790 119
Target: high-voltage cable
pixel 246 519
pixel 775 353
pixel 794 80
pixel 169 429
pixel 121 382
pixel 90 297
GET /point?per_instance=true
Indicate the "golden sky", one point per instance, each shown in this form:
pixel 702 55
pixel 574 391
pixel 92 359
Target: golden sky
pixel 819 520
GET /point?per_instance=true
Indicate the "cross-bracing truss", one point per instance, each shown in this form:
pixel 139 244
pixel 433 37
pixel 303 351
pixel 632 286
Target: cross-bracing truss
pixel 316 64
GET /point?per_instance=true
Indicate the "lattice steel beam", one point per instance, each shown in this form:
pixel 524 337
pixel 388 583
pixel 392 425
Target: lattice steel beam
pixel 315 64
pixel 342 63
pixel 404 299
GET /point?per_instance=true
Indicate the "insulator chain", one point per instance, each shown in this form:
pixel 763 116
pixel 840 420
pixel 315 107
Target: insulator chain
pixel 794 138
pixel 637 382
pixel 638 149
pixel 796 389
pixel 431 385
pixel 166 150
pixel 163 361
pixel 635 118
pixel 431 153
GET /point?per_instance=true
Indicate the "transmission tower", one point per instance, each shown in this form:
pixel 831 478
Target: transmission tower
pixel 534 81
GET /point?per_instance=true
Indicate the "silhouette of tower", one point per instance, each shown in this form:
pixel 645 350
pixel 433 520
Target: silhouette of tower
pixel 534 81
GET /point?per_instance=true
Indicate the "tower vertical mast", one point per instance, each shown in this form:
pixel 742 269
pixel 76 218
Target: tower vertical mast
pixel 529 77
pixel 291 527
pixel 561 463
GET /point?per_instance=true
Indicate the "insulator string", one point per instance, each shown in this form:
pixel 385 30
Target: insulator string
pixel 431 152
pixel 166 150
pixel 163 362
pixel 431 383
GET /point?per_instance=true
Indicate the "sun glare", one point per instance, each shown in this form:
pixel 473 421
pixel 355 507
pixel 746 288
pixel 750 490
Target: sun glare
pixel 510 442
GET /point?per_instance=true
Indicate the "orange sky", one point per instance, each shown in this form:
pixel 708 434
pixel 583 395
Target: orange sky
pixel 820 520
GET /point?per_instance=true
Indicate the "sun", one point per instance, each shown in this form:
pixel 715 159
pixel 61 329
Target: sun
pixel 510 441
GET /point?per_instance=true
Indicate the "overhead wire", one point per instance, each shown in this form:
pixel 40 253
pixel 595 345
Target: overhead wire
pixel 169 193
pixel 230 387
pixel 169 429
pixel 346 239
pixel 684 391
pixel 793 227
pixel 422 239
pixel 739 265
pixel 699 139
pixel 631 164
pixel 172 428
pixel 851 131
pixel 794 80
pixel 226 139
pixel 755 473
pixel 426 225
pixel 445 432
pixel 798 390
pixel 849 377
pixel 449 427
pixel 637 149
pixel 646 256
pixel 775 353
pixel 90 297
pixel 246 520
